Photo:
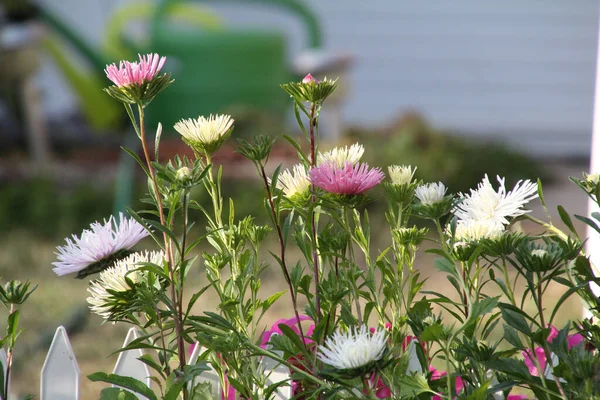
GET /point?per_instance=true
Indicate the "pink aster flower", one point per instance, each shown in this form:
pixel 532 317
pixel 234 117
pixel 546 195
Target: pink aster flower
pixel 347 180
pixel 135 73
pixel 101 242
pixel 293 324
pixel 572 341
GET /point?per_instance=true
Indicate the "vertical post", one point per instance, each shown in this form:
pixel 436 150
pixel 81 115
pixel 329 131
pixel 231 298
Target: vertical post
pixel 593 242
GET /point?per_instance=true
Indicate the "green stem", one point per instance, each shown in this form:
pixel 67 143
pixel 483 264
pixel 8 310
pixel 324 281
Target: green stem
pixel 313 162
pixel 168 247
pixel 274 356
pixel 280 237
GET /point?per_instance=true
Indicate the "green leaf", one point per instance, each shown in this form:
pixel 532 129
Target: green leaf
pixel 414 385
pixel 174 389
pixel 272 299
pixel 136 158
pixel 514 318
pixel 115 393
pixel 444 265
pixel 432 333
pixel 512 337
pixel 124 382
pixel 588 222
pixel 566 219
pixel 541 194
pixel 202 391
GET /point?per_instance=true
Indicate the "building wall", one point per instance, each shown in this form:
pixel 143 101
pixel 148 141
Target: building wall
pixel 516 70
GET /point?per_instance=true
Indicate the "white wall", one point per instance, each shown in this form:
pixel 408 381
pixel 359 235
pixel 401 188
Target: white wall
pixel 520 69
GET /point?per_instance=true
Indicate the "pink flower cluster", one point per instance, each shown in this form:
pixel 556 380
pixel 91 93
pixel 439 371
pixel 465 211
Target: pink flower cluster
pixel 135 73
pixel 347 180
pixel 572 341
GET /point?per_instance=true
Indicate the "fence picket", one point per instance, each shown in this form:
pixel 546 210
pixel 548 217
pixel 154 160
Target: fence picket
pixel 60 372
pixel 4 363
pixel 414 365
pixel 210 376
pixel 276 372
pixel 129 365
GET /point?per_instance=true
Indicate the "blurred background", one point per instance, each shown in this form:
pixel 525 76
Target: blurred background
pixel 457 88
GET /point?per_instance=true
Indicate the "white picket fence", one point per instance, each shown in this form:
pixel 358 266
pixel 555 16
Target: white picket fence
pixel 60 375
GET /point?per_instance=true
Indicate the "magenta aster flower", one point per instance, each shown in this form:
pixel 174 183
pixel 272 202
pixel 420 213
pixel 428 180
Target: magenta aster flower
pixel 135 73
pixel 347 180
pixel 98 247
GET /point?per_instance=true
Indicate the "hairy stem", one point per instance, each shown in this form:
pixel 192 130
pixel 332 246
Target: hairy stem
pixel 313 162
pixel 545 344
pixel 284 267
pixel 168 246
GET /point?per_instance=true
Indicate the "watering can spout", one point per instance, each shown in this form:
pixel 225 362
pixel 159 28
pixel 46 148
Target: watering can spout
pixel 73 38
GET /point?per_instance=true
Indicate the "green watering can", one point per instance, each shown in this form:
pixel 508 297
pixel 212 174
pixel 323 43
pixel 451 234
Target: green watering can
pixel 220 69
pixel 100 110
pixel 217 69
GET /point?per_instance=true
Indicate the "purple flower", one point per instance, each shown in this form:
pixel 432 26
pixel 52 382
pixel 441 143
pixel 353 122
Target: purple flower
pixel 135 73
pixel 98 246
pixel 347 180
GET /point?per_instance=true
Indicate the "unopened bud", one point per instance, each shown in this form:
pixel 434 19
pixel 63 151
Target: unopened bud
pixel 183 173
pixel 310 79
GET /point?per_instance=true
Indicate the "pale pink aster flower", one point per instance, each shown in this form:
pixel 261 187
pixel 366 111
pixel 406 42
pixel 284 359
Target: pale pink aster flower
pixel 135 73
pixel 99 243
pixel 347 180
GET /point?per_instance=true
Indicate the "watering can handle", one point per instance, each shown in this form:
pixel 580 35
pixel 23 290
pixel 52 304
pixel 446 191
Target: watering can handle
pixel 295 6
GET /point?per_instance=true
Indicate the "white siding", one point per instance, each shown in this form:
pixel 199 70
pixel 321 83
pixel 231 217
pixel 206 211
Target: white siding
pixel 519 69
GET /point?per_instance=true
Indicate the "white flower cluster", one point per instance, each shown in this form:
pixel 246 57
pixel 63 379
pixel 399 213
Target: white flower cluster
pixel 205 130
pixel 294 182
pixel 401 174
pixel 339 156
pixel 430 193
pixel 354 348
pixel 113 279
pixel 485 212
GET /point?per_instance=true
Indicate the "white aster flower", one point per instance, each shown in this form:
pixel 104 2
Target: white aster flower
pixel 339 156
pixel 183 173
pixel 114 279
pixel 541 253
pixel 353 349
pixel 99 243
pixel 476 230
pixel 294 182
pixel 430 193
pixel 593 178
pixel 487 203
pixel 205 134
pixel 401 174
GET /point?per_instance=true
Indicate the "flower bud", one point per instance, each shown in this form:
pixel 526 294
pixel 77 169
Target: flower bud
pixel 310 90
pixel 183 174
